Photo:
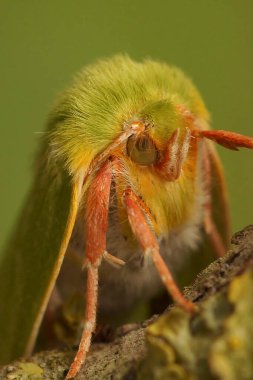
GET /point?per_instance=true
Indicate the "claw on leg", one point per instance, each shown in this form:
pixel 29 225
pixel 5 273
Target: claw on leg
pixel 113 260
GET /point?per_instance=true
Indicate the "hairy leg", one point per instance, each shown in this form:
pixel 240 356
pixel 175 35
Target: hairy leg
pixel 209 224
pixel 175 154
pixel 147 240
pixel 96 225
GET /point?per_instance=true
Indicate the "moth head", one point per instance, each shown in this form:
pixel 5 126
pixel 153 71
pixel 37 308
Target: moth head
pixel 162 145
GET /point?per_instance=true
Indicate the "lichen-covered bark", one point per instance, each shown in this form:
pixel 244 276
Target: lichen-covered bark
pixel 215 344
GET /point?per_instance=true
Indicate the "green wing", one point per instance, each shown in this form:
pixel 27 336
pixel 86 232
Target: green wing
pixel 32 260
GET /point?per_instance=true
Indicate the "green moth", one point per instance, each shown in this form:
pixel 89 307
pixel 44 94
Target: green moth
pixel 126 179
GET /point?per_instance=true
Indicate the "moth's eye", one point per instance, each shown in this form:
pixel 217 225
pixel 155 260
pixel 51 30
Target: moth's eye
pixel 142 150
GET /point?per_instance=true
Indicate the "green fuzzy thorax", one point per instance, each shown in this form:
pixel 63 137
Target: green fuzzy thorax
pixel 105 96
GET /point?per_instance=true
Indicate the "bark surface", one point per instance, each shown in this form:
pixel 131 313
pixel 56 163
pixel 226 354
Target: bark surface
pixel 214 344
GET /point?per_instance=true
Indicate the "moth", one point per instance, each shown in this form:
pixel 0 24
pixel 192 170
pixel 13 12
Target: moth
pixel 124 181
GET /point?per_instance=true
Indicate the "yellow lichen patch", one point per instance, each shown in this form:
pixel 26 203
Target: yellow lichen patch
pixel 27 371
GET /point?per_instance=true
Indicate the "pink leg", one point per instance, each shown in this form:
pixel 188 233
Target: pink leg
pixel 90 321
pixel 209 225
pixel 175 155
pixel 96 225
pixel 149 243
pixel 229 140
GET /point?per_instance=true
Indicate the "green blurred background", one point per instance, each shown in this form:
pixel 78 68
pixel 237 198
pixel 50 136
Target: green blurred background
pixel 42 44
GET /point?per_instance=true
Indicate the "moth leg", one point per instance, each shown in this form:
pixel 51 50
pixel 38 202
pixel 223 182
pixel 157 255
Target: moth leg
pixel 229 140
pixel 96 220
pixel 147 240
pixel 209 224
pixel 175 155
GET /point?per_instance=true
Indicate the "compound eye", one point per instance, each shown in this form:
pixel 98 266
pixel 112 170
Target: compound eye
pixel 142 150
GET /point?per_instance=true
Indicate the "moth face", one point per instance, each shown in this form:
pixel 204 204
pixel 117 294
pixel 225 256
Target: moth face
pixel 143 149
